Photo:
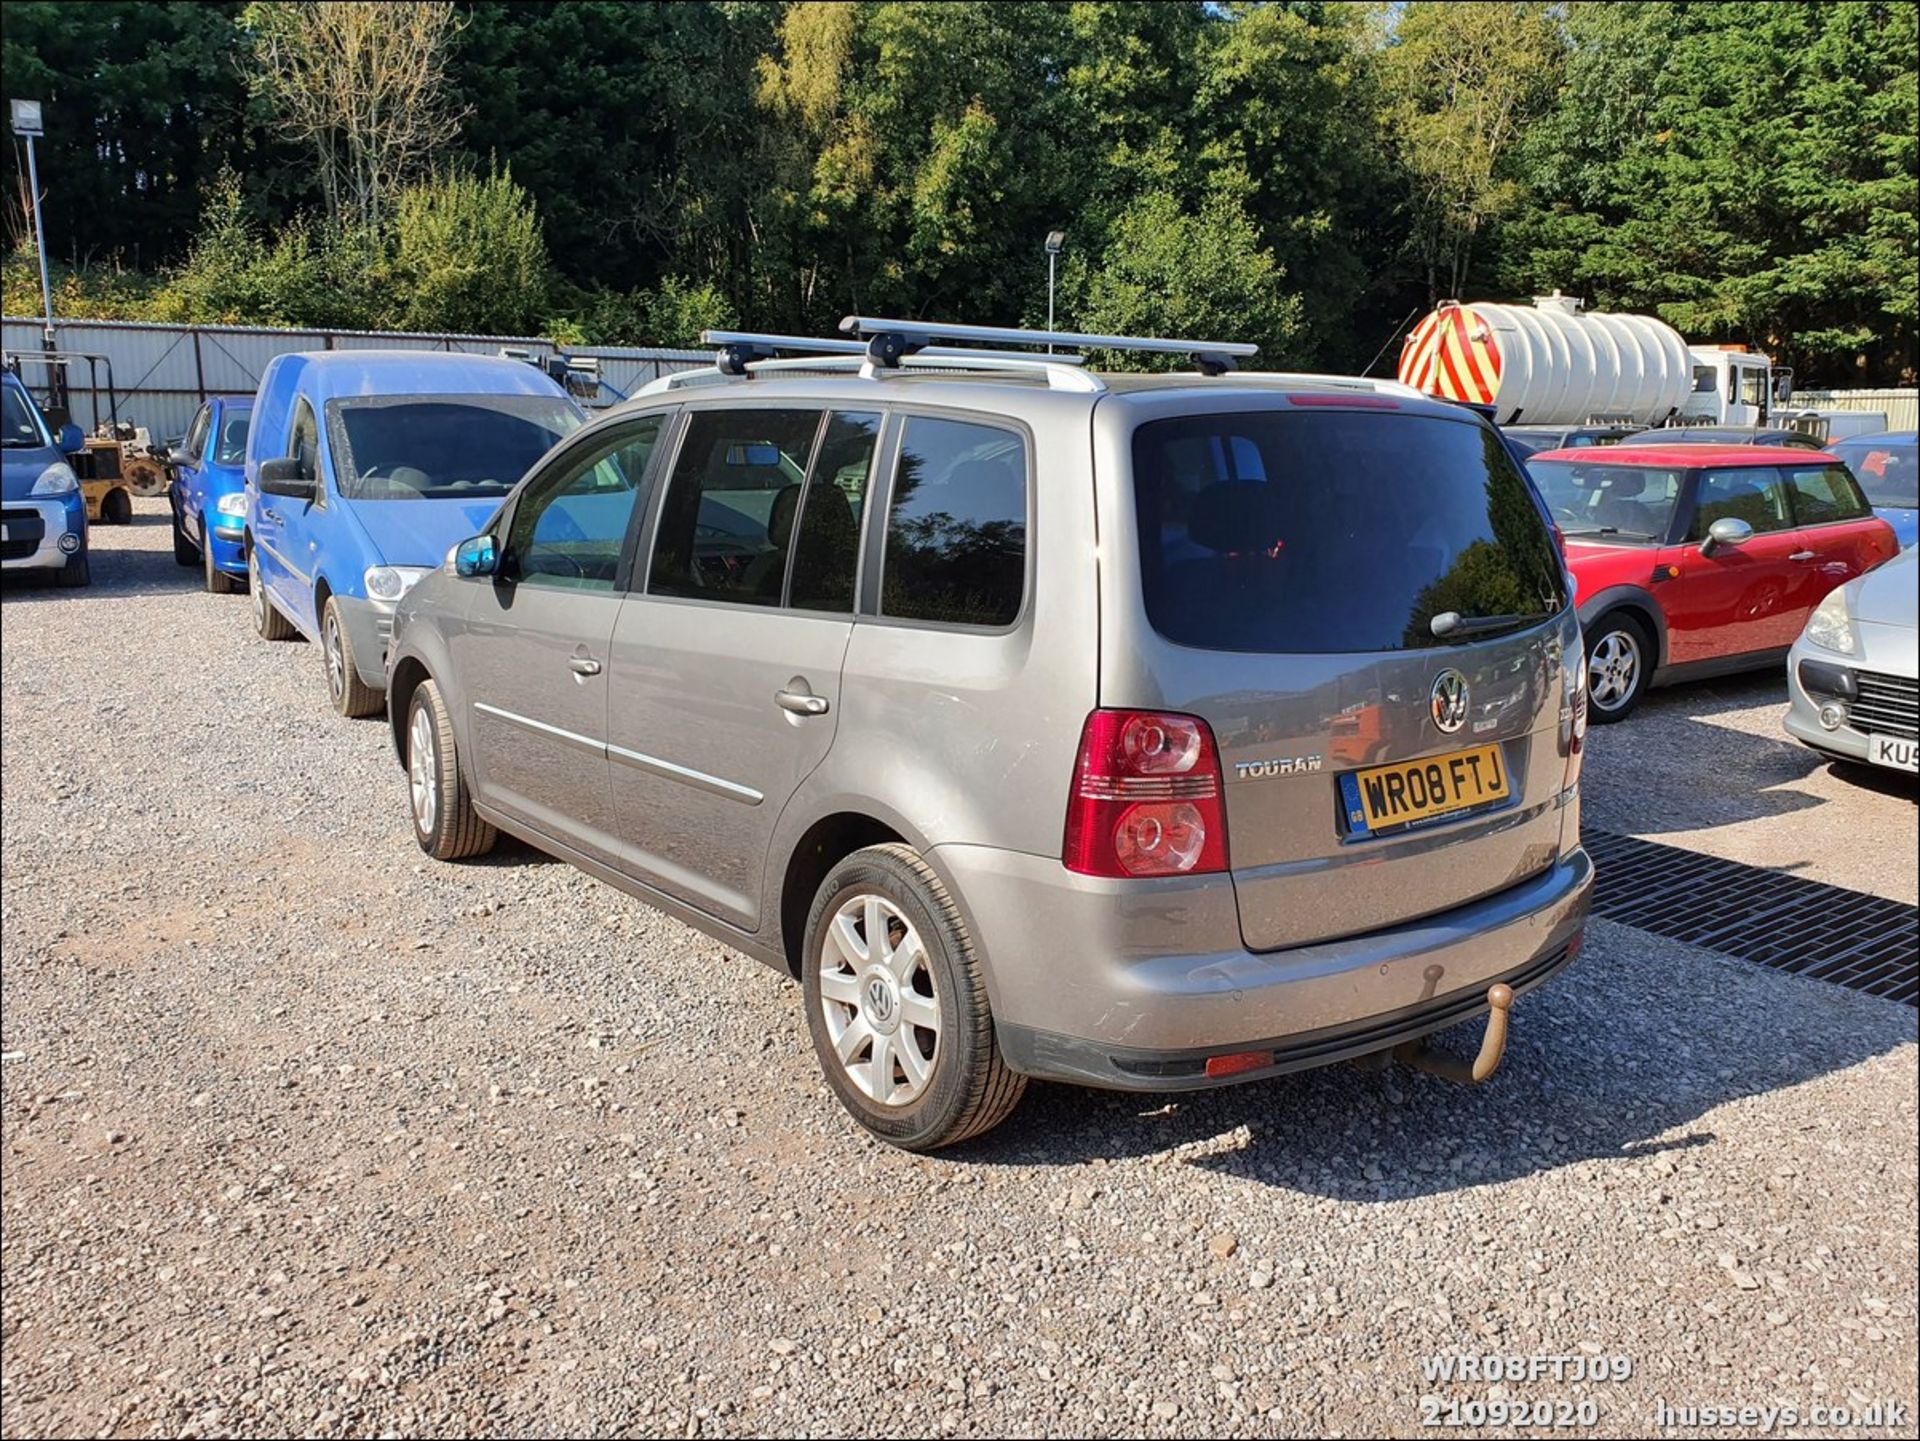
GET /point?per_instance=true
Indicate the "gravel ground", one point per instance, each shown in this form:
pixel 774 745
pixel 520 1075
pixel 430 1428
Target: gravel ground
pixel 1709 767
pixel 305 1134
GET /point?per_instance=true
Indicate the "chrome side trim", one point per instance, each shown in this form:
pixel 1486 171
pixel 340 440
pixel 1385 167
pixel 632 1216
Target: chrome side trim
pixel 542 728
pixel 306 579
pixel 699 780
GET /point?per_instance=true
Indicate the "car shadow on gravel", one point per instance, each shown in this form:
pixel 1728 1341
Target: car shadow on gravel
pixel 1618 1058
pixel 116 572
pixel 1670 767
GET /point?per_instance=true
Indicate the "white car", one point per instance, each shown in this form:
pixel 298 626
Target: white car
pixel 1853 677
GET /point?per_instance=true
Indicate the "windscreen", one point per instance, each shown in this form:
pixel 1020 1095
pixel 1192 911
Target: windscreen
pixel 442 447
pixel 19 422
pixel 1590 499
pixel 1324 531
pixel 1886 470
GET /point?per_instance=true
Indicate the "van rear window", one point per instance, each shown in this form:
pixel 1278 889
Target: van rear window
pixel 1323 532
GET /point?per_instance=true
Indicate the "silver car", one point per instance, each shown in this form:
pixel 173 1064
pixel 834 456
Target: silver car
pixel 1853 677
pixel 1149 731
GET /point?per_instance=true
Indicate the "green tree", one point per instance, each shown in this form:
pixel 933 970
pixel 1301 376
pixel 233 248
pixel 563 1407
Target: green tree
pixel 1170 271
pixel 1746 171
pixel 1463 81
pixel 466 253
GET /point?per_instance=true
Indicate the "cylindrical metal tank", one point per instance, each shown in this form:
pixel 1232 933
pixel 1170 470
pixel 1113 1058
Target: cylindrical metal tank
pixel 1550 364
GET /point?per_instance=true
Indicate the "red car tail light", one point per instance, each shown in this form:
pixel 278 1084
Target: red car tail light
pixel 1147 797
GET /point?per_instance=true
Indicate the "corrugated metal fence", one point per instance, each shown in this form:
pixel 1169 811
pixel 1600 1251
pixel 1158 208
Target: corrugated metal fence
pixel 161 373
pixel 1901 407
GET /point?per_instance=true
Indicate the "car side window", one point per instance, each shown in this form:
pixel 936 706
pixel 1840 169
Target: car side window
pixel 570 524
pixel 195 443
pixel 1755 494
pixel 726 524
pixel 1825 493
pixel 826 548
pixel 303 440
pixel 956 545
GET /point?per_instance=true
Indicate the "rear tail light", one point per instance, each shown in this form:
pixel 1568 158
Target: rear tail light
pixel 1146 797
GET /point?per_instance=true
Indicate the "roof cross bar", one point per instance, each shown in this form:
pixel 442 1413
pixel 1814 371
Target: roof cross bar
pixel 737 350
pixel 888 340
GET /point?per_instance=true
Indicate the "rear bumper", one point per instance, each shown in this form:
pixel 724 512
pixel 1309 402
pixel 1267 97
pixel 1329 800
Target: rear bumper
pixel 1085 1002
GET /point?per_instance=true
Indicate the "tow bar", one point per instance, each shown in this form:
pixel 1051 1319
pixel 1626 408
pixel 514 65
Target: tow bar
pixel 1493 1045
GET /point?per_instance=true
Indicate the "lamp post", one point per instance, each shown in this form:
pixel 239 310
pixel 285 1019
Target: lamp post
pixel 27 124
pixel 1055 239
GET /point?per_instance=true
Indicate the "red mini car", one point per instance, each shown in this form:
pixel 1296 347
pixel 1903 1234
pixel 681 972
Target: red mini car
pixel 1696 560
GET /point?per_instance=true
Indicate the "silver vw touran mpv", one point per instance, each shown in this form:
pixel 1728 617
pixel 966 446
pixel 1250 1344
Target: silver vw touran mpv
pixel 1149 731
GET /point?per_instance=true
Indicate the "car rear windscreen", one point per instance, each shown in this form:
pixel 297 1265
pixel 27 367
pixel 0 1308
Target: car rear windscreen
pixel 1324 531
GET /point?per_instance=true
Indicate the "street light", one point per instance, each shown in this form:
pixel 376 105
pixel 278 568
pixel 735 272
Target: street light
pixel 1055 239
pixel 27 124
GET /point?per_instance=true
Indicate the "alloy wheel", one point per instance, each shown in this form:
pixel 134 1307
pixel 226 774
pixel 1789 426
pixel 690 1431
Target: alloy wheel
pixel 423 770
pixel 336 662
pixel 879 1000
pixel 1613 670
pixel 257 590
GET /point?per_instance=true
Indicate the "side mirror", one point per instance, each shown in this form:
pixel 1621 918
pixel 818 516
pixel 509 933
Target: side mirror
pixel 475 556
pixel 1727 531
pixel 71 439
pixel 178 458
pixel 283 477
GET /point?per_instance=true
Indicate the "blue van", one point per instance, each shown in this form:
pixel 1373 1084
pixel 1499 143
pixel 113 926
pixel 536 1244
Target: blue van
pixel 364 468
pixel 43 516
pixel 208 492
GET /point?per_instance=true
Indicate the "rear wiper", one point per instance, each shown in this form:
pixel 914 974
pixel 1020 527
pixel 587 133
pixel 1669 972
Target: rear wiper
pixel 1451 622
pixel 1609 530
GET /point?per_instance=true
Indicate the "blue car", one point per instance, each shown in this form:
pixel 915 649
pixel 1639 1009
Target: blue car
pixel 1887 469
pixel 43 516
pixel 364 468
pixel 208 492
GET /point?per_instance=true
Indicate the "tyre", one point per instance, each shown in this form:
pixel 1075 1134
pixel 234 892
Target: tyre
pixel 351 696
pixel 1620 658
pixel 218 581
pixel 78 571
pixel 897 1006
pixel 116 507
pixel 444 822
pixel 183 551
pixel 266 620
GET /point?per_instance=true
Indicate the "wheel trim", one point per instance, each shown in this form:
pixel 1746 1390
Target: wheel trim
pixel 423 770
pixel 879 999
pixel 1613 670
pixel 336 662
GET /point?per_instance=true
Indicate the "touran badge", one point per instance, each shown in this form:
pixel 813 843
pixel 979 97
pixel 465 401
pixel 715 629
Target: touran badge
pixel 1449 701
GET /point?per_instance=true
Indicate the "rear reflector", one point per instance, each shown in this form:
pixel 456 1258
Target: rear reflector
pixel 1146 798
pixel 1237 1062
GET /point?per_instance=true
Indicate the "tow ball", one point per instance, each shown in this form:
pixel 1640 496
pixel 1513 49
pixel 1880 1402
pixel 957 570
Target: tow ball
pixel 1493 1045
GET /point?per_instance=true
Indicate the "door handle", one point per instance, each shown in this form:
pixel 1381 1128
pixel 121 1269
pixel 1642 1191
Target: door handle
pixel 584 665
pixel 1805 555
pixel 272 515
pixel 801 702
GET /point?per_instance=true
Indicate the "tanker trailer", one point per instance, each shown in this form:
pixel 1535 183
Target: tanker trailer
pixel 1551 364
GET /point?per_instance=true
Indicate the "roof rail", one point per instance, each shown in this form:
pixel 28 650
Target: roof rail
pixel 1060 374
pixel 888 338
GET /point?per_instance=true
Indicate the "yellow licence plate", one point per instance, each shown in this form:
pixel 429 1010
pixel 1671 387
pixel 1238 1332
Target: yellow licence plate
pixel 1397 795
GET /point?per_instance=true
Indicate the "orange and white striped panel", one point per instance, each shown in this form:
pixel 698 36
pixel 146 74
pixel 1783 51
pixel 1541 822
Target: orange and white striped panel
pixel 1452 353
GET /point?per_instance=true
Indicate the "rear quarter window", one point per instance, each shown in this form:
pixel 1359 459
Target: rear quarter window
pixel 1334 532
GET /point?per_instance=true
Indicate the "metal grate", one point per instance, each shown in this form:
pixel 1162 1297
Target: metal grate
pixel 1887 703
pixel 1867 942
